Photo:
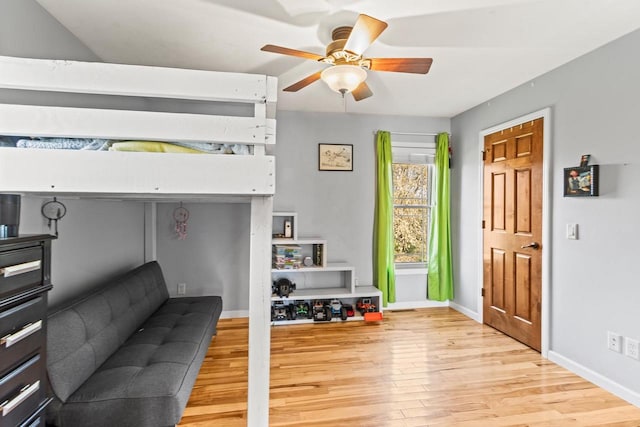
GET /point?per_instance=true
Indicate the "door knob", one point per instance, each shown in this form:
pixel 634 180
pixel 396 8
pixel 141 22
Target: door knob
pixel 533 245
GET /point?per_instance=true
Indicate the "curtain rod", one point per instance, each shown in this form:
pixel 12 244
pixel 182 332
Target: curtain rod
pixel 413 133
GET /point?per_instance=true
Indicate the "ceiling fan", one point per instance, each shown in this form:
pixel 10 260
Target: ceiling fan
pixel 344 54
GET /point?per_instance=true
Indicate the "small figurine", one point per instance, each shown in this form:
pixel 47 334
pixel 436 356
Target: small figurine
pixel 365 305
pixel 283 287
pixel 321 311
pixel 280 311
pixel 337 309
pixel 300 309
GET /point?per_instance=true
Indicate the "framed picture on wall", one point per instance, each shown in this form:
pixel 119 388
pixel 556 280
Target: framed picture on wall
pixel 581 181
pixel 335 157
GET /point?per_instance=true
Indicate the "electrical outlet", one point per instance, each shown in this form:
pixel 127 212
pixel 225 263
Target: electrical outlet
pixel 182 288
pixel 632 348
pixel 614 342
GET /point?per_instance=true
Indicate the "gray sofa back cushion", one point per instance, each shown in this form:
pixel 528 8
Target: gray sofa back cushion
pixel 83 335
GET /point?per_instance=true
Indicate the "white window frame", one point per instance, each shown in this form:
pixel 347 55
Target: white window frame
pixel 414 153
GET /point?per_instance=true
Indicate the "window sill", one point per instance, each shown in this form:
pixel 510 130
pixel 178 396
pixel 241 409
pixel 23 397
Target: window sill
pixel 414 270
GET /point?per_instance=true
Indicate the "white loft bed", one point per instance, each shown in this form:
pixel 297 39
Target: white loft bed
pixel 153 176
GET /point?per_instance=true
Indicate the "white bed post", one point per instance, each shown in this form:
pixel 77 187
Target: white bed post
pixel 259 311
pixel 259 110
pixel 150 231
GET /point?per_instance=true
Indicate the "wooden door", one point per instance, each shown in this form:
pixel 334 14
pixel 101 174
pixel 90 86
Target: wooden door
pixel 512 224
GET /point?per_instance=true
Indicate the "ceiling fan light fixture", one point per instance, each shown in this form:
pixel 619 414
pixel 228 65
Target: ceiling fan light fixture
pixel 343 78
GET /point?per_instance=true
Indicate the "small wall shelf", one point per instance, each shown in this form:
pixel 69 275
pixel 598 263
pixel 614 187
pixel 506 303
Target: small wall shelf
pixel 285 224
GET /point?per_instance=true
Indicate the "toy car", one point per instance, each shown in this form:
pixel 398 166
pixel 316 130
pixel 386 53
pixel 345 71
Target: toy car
pixel 350 311
pixel 300 309
pixel 337 309
pixel 283 287
pixel 280 311
pixel 365 305
pixel 321 311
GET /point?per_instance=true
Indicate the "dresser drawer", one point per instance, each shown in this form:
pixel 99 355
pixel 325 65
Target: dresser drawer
pixel 21 332
pixel 38 418
pixel 20 269
pixel 21 392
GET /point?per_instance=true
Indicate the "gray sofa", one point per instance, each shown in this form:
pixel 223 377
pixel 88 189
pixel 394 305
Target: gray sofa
pixel 127 354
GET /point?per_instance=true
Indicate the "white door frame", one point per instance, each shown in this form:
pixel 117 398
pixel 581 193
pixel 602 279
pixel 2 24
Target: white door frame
pixel 546 219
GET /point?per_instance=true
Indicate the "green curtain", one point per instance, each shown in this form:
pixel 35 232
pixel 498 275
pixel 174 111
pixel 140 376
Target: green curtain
pixel 383 249
pixel 440 280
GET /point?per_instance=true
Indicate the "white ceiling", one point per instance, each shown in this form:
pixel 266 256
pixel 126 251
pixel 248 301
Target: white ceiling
pixel 481 48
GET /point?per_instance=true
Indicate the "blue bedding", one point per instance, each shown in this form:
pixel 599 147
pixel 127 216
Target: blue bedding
pixel 64 143
pixel 105 145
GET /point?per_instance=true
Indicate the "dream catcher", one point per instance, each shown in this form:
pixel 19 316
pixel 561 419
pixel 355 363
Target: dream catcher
pixel 54 211
pixel 181 216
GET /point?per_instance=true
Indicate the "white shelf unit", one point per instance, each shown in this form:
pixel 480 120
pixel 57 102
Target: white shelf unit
pixel 323 280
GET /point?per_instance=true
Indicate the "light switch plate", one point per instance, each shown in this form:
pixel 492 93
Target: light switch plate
pixel 614 342
pixel 572 231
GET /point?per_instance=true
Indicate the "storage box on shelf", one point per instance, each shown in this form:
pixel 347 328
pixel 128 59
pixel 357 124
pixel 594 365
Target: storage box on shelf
pixel 311 279
pixel 312 252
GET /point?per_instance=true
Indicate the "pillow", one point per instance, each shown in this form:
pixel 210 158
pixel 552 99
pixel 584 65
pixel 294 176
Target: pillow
pixel 151 147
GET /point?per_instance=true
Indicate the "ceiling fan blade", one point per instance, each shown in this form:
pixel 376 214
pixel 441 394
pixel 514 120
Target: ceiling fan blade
pixel 402 65
pixel 291 52
pixel 361 92
pixel 364 32
pixel 303 83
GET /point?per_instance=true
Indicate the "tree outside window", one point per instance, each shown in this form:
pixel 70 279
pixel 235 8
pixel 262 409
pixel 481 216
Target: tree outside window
pixel 410 212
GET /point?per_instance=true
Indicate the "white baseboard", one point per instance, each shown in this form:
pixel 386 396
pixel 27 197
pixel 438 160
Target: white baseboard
pixel 596 378
pixel 464 310
pixel 231 314
pixel 410 305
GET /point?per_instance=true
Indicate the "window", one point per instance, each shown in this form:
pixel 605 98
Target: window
pixel 411 204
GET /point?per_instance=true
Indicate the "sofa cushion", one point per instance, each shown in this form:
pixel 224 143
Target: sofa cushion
pixel 148 380
pixel 81 336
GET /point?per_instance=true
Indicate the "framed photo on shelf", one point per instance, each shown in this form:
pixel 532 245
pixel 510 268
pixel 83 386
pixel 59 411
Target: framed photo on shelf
pixel 581 181
pixel 584 160
pixel 335 157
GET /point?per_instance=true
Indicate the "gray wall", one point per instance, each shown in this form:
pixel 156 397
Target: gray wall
pixel 337 206
pixel 29 31
pixel 97 240
pixel 214 258
pixel 594 280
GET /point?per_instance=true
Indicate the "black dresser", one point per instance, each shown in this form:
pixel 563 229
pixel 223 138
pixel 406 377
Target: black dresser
pixel 25 279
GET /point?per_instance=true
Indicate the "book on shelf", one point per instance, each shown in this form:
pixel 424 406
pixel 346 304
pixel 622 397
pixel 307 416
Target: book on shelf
pixel 317 254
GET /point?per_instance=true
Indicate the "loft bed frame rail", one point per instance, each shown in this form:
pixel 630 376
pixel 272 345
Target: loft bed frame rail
pixel 60 171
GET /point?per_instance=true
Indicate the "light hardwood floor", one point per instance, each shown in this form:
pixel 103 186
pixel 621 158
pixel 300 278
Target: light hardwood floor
pixel 430 367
